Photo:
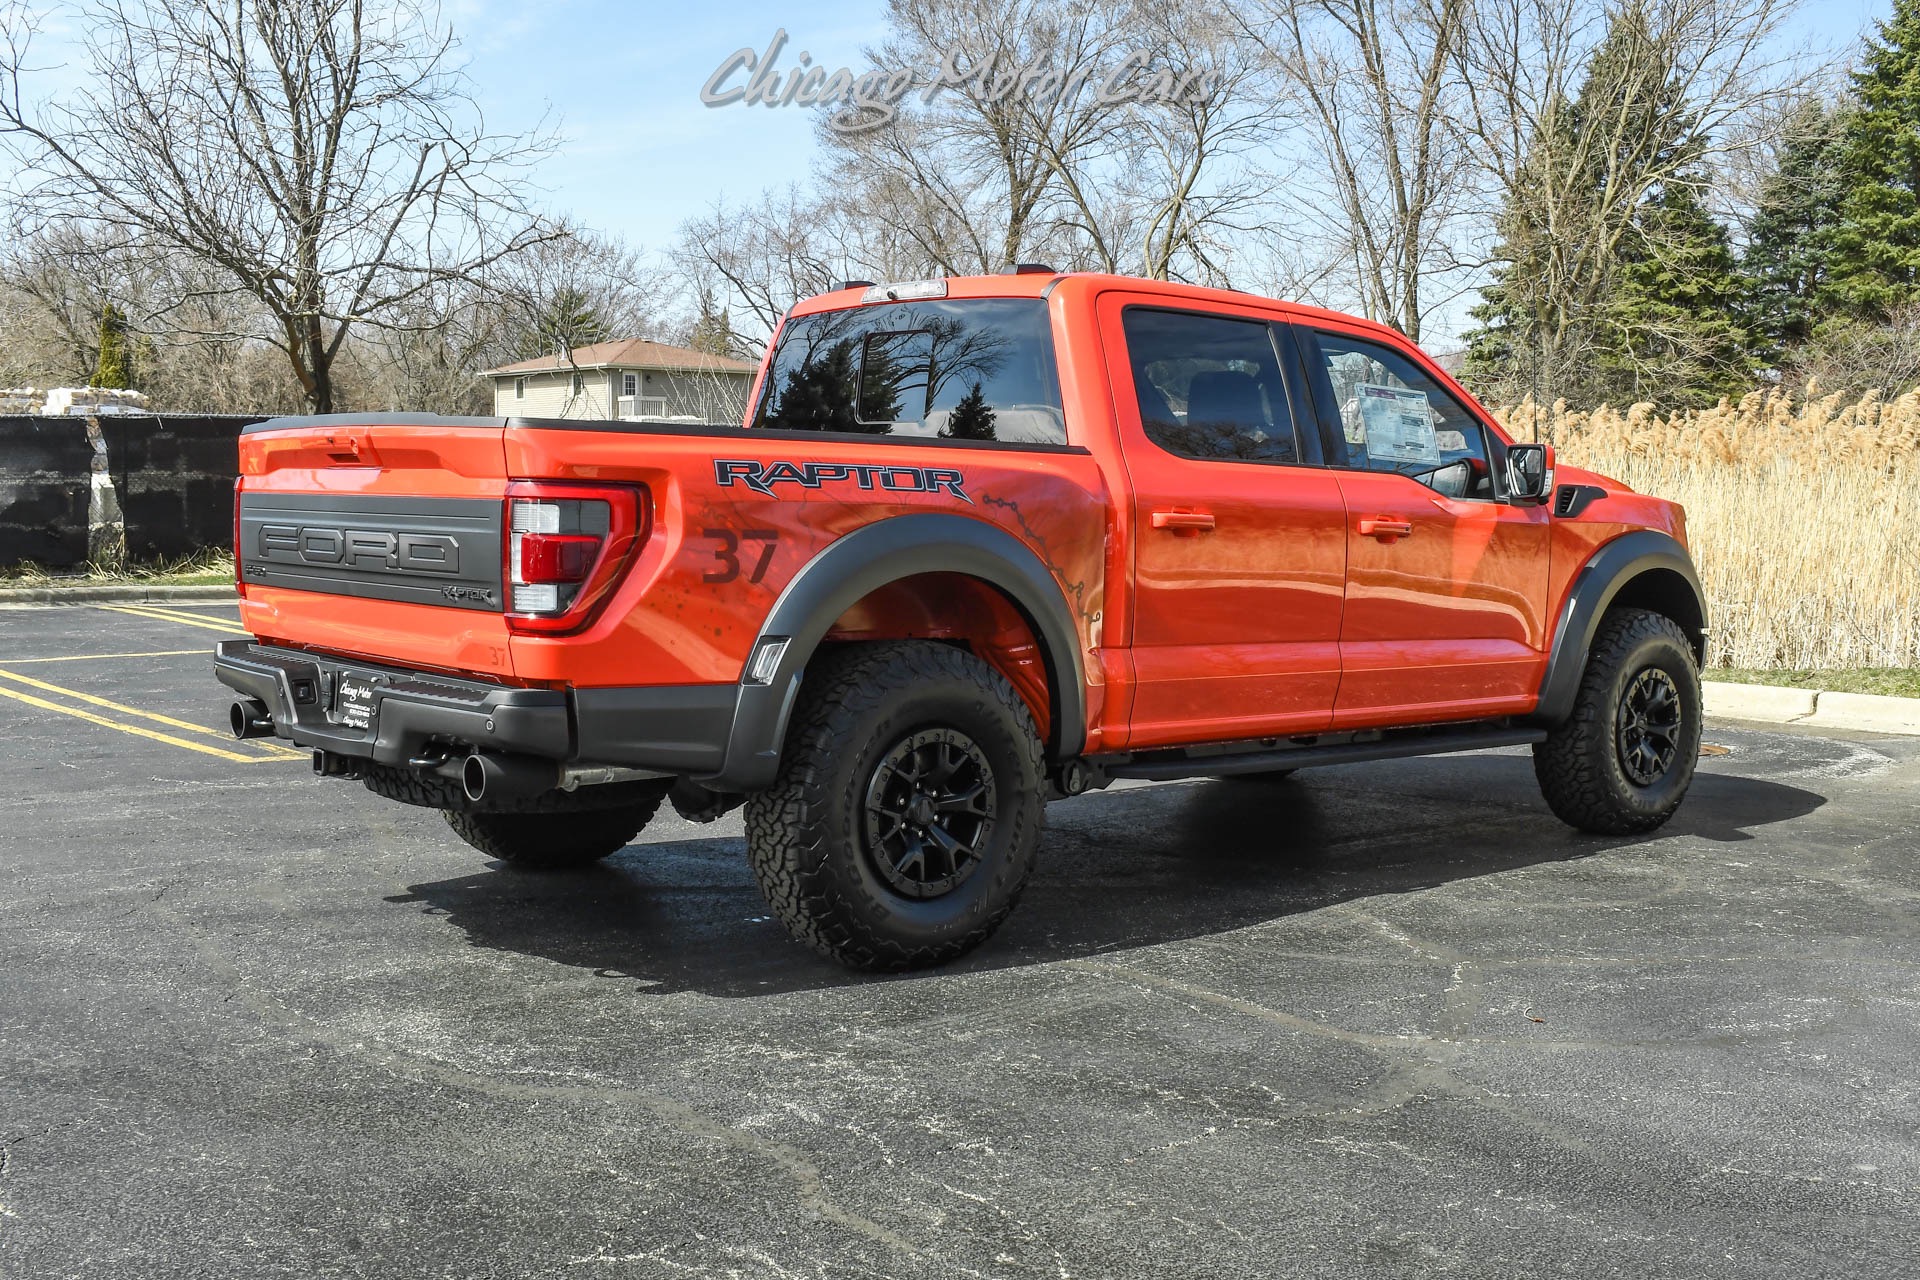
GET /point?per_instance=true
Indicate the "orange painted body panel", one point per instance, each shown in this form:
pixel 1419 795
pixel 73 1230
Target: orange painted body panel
pixel 1280 619
pixel 1236 626
pixel 1447 622
pixel 401 460
pixel 667 623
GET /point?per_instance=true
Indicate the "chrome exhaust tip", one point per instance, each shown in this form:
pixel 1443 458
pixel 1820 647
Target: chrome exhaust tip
pixel 497 778
pixel 250 718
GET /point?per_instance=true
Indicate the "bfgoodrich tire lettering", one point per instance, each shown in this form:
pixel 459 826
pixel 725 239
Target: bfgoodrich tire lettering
pixel 862 711
pixel 1621 764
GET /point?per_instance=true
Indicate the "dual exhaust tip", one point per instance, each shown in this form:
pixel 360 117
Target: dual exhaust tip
pixel 482 776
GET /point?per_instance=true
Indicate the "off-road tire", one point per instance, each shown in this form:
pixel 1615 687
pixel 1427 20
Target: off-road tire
pixel 809 837
pixel 560 835
pixel 1581 765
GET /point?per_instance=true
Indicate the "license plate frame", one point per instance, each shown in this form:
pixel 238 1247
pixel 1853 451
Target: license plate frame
pixel 355 705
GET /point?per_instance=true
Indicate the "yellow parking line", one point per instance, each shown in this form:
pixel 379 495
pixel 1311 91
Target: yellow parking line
pixel 169 611
pixel 134 729
pixel 101 657
pixel 138 612
pixel 123 709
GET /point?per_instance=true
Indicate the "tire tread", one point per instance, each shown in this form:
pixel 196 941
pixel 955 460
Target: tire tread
pixel 786 837
pixel 1571 765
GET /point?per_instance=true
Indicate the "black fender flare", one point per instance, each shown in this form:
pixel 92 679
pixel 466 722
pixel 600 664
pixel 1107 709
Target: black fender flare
pixel 1598 585
pixel 869 558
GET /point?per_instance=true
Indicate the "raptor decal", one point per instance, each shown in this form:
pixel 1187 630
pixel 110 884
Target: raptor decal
pixel 761 477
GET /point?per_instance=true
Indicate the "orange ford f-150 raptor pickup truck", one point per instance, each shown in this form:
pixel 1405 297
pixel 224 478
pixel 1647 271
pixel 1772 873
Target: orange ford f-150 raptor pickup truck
pixel 982 542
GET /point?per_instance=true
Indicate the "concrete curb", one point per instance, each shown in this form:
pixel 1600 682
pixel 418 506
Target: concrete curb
pixel 130 593
pixel 1815 708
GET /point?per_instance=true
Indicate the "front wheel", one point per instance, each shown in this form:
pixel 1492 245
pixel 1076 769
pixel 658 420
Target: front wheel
pixel 1621 764
pixel 902 825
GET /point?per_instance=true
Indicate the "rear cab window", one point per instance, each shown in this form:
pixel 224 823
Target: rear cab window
pixel 1209 387
pixel 978 369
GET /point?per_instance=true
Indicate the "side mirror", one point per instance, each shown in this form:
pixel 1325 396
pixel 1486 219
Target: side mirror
pixel 1455 480
pixel 1529 472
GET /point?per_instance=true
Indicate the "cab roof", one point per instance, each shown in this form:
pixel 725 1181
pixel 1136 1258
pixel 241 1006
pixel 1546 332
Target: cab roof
pixel 1040 284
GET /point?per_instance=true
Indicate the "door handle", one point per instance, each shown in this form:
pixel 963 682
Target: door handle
pixel 1183 521
pixel 1385 528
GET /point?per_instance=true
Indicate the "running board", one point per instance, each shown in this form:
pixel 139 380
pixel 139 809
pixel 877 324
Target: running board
pixel 1349 748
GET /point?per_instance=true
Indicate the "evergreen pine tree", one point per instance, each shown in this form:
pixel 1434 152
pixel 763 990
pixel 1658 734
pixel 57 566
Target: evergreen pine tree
pixel 713 331
pixel 1789 261
pixel 1669 330
pixel 1604 294
pixel 115 366
pixel 565 322
pixel 1876 260
pixel 972 418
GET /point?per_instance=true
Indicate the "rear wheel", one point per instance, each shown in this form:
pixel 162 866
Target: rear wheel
pixel 903 822
pixel 563 834
pixel 1622 763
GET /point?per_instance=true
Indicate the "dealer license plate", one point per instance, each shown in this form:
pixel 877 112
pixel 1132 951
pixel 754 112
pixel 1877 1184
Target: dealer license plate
pixel 353 705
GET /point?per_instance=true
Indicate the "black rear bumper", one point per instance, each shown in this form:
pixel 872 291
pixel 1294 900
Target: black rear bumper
pixel 681 729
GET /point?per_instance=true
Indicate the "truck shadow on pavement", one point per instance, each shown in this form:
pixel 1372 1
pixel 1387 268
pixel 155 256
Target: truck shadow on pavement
pixel 1120 869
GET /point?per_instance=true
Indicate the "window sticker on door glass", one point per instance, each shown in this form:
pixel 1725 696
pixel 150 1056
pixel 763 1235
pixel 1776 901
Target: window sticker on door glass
pixel 1398 424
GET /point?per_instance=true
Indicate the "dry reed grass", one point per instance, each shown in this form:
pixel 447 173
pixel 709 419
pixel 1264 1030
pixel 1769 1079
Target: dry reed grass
pixel 1801 512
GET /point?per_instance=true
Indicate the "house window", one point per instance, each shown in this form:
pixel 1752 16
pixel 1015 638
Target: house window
pixel 629 384
pixel 519 388
pixel 579 383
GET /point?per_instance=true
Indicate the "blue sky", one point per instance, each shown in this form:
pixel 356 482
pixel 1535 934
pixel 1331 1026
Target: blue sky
pixel 623 81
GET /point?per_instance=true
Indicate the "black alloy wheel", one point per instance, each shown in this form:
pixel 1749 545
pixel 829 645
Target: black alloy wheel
pixel 1650 724
pixel 930 809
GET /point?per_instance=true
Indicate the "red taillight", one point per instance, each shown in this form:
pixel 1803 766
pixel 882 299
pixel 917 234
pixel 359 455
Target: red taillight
pixel 566 547
pixel 239 582
pixel 556 557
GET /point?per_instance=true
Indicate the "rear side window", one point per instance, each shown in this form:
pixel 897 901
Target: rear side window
pixel 947 368
pixel 1209 387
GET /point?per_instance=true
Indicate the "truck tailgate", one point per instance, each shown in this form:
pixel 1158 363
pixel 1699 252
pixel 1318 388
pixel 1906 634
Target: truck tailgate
pixel 382 541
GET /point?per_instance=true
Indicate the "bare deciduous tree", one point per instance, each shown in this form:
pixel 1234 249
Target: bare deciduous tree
pixel 1373 85
pixel 322 156
pixel 762 256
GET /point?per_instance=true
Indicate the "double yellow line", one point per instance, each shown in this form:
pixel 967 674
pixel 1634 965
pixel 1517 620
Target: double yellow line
pixel 204 621
pixel 273 749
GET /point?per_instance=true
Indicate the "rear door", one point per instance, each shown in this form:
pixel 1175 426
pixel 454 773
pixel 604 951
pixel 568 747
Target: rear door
pixel 1238 532
pixel 1446 579
pixel 381 539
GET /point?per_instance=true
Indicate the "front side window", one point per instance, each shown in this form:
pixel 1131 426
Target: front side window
pixel 1394 417
pixel 945 368
pixel 1209 387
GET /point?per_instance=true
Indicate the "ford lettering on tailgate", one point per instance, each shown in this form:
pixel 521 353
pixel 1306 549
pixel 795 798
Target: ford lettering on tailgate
pixel 443 551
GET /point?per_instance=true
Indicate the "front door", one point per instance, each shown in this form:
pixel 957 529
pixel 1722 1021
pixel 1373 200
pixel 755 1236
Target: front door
pixel 1446 579
pixel 1238 532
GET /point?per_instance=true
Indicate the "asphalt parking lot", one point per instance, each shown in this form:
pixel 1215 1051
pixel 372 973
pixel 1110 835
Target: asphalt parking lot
pixel 1388 1020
